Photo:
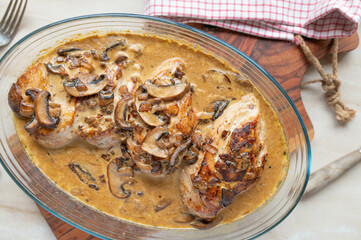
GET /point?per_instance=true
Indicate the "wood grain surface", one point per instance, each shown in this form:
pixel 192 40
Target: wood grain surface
pixel 283 60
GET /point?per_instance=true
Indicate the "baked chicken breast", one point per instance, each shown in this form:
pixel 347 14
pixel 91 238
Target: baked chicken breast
pixel 231 158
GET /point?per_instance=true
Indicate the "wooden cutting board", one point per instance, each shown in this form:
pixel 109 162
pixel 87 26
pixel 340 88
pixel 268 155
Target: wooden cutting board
pixel 283 60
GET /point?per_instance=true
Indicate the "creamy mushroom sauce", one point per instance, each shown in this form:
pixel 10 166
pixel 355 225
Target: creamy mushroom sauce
pixel 149 194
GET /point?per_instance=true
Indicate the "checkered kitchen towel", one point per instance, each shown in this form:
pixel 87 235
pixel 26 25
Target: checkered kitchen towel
pixel 277 19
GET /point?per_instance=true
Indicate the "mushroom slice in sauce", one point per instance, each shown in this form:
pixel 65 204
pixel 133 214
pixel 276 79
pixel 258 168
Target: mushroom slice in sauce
pixel 41 105
pixel 167 92
pixel 119 180
pixel 85 84
pixel 32 126
pixel 217 76
pixel 106 97
pixel 83 175
pixel 122 43
pixel 15 98
pixel 176 158
pixel 150 142
pixel 64 52
pixel 219 108
pixel 149 117
pixel 121 58
pixel 32 93
pixel 58 69
pixel 121 113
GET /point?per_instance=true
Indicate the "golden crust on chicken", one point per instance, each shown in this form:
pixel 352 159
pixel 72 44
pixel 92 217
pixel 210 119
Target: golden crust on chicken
pixel 231 159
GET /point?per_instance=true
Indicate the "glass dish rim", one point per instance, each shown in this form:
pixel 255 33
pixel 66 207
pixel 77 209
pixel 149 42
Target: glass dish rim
pixel 204 34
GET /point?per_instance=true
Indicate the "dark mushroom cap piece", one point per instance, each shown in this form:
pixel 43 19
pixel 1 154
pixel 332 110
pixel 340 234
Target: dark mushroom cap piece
pixel 219 108
pixel 121 111
pixel 119 180
pixel 32 93
pixel 58 69
pixel 64 52
pixel 41 105
pixel 32 126
pixel 150 142
pixel 85 84
pixel 176 158
pixel 121 58
pixel 15 98
pixel 122 43
pixel 167 92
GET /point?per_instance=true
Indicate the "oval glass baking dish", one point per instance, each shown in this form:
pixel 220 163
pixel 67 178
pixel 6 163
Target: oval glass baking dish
pixel 31 180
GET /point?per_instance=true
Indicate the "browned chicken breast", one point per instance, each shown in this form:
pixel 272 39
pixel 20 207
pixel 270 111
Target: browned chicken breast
pixel 164 121
pixel 50 114
pixel 67 97
pixel 231 158
pixel 95 113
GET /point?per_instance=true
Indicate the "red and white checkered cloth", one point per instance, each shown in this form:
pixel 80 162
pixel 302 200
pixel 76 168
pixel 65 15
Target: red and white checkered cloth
pixel 279 19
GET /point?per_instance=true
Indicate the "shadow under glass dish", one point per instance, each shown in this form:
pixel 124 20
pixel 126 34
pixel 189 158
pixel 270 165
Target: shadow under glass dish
pixel 31 180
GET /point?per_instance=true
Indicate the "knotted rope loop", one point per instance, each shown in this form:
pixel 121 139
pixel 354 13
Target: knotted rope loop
pixel 329 82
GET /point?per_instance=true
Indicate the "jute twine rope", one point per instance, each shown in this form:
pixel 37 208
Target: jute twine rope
pixel 330 82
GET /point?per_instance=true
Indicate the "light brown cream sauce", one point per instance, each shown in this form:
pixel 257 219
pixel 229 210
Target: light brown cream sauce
pixel 138 207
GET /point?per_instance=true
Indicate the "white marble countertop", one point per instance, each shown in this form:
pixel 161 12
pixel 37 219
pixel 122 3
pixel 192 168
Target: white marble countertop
pixel 333 213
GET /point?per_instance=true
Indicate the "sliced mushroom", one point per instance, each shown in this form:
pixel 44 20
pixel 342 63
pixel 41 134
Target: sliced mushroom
pixel 64 52
pixel 83 175
pixel 122 43
pixel 167 92
pixel 58 69
pixel 121 113
pixel 219 108
pixel 32 126
pixel 175 160
pixel 150 142
pixel 85 64
pixel 119 180
pixel 217 76
pixel 191 155
pixel 41 105
pixel 85 84
pixel 106 97
pixel 26 109
pixel 121 58
pixel 150 117
pixel 32 93
pixel 15 98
